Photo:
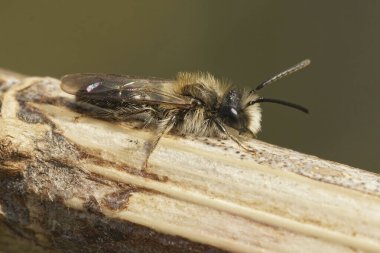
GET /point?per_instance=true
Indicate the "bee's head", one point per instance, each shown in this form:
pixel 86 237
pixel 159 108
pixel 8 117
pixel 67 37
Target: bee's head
pixel 241 111
pixel 235 115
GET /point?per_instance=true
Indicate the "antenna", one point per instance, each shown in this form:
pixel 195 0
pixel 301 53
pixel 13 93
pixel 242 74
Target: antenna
pixel 281 102
pixel 284 73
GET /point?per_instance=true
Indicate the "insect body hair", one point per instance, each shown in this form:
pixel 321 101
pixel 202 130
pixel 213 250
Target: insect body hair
pixel 211 94
pixel 208 92
pixel 251 112
pixel 206 79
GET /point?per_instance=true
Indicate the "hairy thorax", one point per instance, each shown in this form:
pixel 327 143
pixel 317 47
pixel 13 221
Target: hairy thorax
pixel 199 120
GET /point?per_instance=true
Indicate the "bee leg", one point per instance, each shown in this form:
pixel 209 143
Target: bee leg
pixel 104 113
pixel 125 115
pixel 165 129
pixel 224 130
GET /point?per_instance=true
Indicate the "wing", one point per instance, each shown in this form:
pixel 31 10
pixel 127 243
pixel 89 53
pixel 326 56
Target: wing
pixel 100 88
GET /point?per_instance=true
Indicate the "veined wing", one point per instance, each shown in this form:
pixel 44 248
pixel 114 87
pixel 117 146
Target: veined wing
pixel 122 89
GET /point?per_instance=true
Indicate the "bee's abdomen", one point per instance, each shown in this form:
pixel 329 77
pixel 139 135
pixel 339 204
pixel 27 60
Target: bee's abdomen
pixel 110 99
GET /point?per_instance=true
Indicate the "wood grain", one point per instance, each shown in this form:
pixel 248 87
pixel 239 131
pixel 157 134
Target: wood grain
pixel 74 183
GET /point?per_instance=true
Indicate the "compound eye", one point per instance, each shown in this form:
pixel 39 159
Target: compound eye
pixel 232 117
pixel 234 113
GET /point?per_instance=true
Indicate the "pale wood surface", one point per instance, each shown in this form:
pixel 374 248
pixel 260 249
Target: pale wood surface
pixel 73 183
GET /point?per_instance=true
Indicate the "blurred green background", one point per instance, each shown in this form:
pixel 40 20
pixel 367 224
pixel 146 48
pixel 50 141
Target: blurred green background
pixel 243 41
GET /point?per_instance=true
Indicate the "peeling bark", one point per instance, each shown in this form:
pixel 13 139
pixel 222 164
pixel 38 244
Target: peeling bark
pixel 74 183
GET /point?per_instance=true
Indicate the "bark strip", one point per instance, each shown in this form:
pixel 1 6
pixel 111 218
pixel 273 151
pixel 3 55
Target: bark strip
pixel 73 183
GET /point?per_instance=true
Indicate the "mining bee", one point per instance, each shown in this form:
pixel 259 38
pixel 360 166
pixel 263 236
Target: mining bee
pixel 194 104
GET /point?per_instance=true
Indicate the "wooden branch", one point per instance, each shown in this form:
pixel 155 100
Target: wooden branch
pixel 72 183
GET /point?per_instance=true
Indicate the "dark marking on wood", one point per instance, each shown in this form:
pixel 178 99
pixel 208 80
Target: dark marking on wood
pixel 92 205
pixel 31 115
pixel 119 200
pixel 145 174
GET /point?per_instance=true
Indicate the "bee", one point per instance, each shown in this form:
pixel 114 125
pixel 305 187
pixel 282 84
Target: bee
pixel 194 104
